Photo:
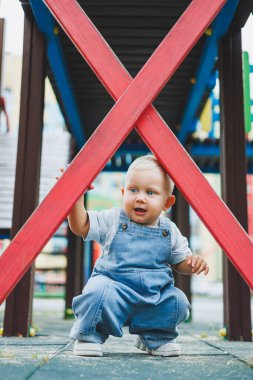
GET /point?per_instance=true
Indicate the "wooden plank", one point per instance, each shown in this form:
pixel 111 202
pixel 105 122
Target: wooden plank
pixel 181 213
pixel 75 261
pixel 95 50
pixel 237 316
pixel 108 137
pixel 243 12
pixel 160 139
pixel 18 309
pixel 74 270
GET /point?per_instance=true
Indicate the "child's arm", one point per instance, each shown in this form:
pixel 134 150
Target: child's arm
pixel 192 265
pixel 78 218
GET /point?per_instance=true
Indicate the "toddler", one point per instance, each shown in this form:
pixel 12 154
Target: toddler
pixel 132 282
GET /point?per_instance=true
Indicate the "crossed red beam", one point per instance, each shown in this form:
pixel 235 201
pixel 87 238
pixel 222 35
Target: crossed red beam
pixel 133 106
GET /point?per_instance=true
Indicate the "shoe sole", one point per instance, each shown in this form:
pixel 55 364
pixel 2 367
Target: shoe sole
pixel 165 354
pixel 140 346
pixel 87 353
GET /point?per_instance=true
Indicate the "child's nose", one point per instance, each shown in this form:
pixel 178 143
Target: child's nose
pixel 141 198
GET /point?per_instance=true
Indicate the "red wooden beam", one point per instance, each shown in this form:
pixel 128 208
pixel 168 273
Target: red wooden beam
pixel 112 131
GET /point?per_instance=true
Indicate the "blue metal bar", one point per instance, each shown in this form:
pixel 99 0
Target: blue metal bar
pixel 204 151
pixel 201 150
pixel 55 55
pixel 216 117
pixel 4 237
pixel 205 68
pixel 207 157
pixel 198 151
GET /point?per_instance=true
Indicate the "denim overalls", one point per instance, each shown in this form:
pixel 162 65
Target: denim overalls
pixel 132 285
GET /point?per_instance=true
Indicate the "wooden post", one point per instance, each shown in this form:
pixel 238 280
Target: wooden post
pixel 88 260
pixel 18 311
pixel 74 276
pixel 182 220
pixel 237 316
pixel 75 259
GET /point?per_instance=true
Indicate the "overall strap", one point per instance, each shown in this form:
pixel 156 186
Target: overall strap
pixel 165 223
pixel 123 218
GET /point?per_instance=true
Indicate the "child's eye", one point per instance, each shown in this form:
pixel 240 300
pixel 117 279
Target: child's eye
pixel 150 192
pixel 133 190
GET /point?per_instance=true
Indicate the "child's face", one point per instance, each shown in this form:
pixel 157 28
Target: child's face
pixel 145 196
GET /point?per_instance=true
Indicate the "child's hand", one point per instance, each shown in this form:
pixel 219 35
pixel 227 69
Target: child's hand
pixel 62 170
pixel 198 264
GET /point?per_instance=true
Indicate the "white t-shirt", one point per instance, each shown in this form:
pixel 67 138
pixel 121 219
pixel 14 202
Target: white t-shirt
pixel 103 226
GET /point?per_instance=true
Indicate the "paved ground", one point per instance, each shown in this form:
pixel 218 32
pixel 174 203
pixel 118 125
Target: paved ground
pixel 49 355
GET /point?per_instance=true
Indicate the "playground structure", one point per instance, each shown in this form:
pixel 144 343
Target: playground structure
pixel 133 108
pixel 206 153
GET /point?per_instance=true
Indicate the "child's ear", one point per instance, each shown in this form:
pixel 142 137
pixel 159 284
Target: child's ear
pixel 169 202
pixel 122 191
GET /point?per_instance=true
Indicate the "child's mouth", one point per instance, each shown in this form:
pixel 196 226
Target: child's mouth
pixel 139 210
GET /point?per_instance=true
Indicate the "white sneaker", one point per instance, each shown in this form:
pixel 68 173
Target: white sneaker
pixel 138 344
pixel 168 349
pixel 83 348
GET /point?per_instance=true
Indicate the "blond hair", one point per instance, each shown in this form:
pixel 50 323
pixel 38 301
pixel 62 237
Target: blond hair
pixel 150 162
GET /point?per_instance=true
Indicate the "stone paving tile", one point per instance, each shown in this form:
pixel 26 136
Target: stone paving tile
pixel 38 358
pixel 35 341
pixel 240 350
pixel 133 365
pixel 18 361
pixel 49 356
